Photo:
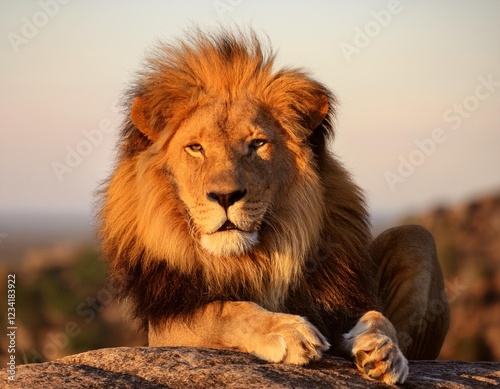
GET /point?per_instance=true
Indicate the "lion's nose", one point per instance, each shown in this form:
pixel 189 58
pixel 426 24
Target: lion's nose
pixel 227 199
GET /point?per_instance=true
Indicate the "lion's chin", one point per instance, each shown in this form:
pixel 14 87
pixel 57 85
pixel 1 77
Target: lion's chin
pixel 229 243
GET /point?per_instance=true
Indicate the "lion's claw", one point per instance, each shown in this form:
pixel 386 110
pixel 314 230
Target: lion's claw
pixel 380 359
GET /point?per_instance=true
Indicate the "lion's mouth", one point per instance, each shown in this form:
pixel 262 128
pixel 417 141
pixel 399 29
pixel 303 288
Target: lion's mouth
pixel 227 226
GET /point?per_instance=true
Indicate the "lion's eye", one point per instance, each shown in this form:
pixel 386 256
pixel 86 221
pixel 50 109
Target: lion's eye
pixel 195 148
pixel 258 143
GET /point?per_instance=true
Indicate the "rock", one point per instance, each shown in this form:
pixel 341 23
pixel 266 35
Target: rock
pixel 179 367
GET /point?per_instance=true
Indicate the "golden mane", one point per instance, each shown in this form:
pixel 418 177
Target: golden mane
pixel 313 251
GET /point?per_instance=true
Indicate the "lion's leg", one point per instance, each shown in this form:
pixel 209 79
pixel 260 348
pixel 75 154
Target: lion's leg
pixel 247 327
pixel 411 289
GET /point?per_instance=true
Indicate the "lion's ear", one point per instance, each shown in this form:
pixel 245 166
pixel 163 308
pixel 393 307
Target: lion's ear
pixel 139 119
pixel 318 109
pixel 294 97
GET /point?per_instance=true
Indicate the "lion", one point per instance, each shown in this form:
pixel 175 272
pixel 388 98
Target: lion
pixel 227 222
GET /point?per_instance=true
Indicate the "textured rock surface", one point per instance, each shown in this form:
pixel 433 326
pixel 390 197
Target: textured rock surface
pixel 144 367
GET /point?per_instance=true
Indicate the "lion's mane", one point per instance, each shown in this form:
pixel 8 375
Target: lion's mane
pixel 315 266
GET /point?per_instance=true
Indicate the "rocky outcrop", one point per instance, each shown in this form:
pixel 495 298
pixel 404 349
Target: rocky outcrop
pixel 144 367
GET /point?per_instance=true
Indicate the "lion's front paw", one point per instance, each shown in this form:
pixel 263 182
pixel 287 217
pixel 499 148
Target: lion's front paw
pixel 379 358
pixel 375 350
pixel 291 339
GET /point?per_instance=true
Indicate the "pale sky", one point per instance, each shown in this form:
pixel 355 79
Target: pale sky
pixel 418 82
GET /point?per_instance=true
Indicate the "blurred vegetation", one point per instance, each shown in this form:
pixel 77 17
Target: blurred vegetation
pixel 468 245
pixel 65 307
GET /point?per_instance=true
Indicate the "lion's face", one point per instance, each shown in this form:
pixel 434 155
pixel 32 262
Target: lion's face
pixel 229 165
pixel 218 172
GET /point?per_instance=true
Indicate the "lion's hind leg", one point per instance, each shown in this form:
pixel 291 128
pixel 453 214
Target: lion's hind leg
pixel 411 289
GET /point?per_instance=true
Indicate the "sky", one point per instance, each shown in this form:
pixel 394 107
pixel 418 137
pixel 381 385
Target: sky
pixel 418 83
